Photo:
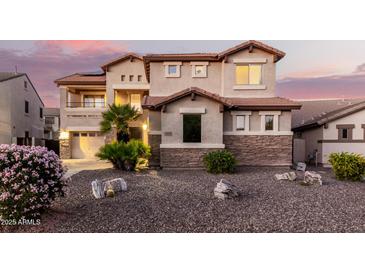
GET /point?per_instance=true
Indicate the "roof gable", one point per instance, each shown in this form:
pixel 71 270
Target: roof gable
pixel 128 56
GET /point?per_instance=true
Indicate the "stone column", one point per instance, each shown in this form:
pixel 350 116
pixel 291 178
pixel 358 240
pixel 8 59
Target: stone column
pixel 65 148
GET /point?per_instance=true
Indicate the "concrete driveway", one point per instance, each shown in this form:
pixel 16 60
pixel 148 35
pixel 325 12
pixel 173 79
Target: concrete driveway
pixel 76 165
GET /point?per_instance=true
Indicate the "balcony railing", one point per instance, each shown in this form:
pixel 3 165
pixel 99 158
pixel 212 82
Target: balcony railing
pixel 85 104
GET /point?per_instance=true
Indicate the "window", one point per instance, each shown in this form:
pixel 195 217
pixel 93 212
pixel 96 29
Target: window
pixel 76 134
pixel 248 74
pixel 130 78
pixel 122 78
pixel 269 122
pixel 26 107
pixel 92 101
pixel 25 84
pixel 40 112
pixel 191 128
pixel 92 134
pixel 199 69
pixel 84 134
pixel 136 101
pixel 344 133
pixel 139 78
pixel 172 69
pixel 240 122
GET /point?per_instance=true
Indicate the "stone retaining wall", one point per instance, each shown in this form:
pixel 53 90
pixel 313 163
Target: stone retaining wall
pixel 260 150
pixel 183 157
pixel 65 148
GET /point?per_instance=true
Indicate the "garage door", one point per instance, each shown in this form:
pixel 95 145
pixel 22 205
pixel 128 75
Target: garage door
pixel 86 144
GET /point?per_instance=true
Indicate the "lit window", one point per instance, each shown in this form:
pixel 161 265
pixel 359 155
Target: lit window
pixel 192 128
pixel 248 74
pixel 269 122
pixel 92 101
pixel 130 78
pixel 139 78
pixel 136 101
pixel 122 78
pixel 240 122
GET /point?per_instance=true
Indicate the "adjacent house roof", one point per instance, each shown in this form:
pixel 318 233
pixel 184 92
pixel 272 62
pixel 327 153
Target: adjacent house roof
pixel 126 56
pixel 4 76
pixel 326 117
pixel 83 79
pixel 156 102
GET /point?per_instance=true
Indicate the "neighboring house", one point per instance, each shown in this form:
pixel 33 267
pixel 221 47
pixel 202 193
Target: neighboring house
pixel 192 104
pixel 330 126
pixel 52 123
pixel 21 110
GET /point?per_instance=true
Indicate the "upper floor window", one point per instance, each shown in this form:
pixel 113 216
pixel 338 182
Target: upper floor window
pixel 131 78
pixel 345 132
pixel 136 101
pixel 26 107
pixel 92 101
pixel 139 78
pixel 25 84
pixel 122 77
pixel 40 112
pixel 199 69
pixel 172 69
pixel 249 74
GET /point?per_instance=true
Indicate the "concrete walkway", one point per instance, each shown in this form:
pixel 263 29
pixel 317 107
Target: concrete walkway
pixel 76 165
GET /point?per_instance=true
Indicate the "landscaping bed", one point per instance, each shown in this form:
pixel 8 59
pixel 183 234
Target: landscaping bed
pixel 183 201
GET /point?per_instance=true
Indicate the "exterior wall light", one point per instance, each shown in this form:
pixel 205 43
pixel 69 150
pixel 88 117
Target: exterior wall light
pixel 64 135
pixel 144 126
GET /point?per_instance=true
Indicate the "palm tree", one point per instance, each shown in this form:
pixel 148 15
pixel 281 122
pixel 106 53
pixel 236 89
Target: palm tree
pixel 119 116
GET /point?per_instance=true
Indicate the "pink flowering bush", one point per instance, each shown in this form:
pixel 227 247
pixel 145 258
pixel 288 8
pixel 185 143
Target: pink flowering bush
pixel 30 179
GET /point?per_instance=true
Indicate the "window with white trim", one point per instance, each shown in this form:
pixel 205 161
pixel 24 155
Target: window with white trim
pixel 136 101
pixel 269 122
pixel 240 122
pixel 172 69
pixel 199 69
pixel 248 74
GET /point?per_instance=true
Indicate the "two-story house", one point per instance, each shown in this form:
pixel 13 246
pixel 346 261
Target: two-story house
pixel 21 110
pixel 192 104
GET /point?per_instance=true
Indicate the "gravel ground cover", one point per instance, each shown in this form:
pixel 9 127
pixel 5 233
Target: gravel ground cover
pixel 183 201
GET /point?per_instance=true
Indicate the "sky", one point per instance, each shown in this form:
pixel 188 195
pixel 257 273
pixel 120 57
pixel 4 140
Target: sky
pixel 310 69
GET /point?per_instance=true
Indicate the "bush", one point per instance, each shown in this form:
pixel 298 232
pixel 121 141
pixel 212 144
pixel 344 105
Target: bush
pixel 348 166
pixel 220 161
pixel 30 179
pixel 127 156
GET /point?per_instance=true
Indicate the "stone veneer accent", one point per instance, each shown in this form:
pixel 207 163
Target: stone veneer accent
pixel 65 149
pixel 183 157
pixel 260 150
pixel 154 142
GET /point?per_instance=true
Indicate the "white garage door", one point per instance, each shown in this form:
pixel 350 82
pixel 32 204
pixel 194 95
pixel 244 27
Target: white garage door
pixel 86 144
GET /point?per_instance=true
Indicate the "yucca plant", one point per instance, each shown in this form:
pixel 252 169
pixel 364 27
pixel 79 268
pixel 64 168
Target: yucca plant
pixel 119 116
pixel 126 156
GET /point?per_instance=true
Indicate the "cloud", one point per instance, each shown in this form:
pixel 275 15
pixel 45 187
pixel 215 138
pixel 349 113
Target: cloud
pixel 50 60
pixel 332 86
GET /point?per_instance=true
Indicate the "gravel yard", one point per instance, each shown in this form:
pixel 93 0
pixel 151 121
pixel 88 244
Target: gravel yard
pixel 183 201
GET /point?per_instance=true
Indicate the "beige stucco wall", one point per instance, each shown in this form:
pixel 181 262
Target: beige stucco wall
pixel 154 120
pixel 311 138
pixel 268 75
pixel 14 121
pixel 212 121
pixel 285 121
pixel 358 118
pixel 126 67
pixel 221 77
pixel 328 148
pixel 163 86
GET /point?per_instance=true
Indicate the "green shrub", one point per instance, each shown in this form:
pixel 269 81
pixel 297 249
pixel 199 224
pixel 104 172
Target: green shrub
pixel 126 156
pixel 220 161
pixel 348 166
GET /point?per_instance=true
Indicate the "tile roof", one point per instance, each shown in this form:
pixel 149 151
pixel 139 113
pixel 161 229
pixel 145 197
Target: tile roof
pixel 82 79
pixel 126 56
pixel 326 117
pixel 156 102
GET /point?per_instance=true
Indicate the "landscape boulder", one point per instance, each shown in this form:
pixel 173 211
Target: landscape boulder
pixel 301 166
pixel 100 188
pixel 291 176
pixel 226 190
pixel 312 178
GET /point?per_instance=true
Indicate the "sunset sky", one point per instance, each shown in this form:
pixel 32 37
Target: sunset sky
pixel 310 69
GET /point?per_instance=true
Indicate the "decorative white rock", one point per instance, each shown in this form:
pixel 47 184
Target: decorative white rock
pixel 99 188
pixel 291 176
pixel 312 178
pixel 226 190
